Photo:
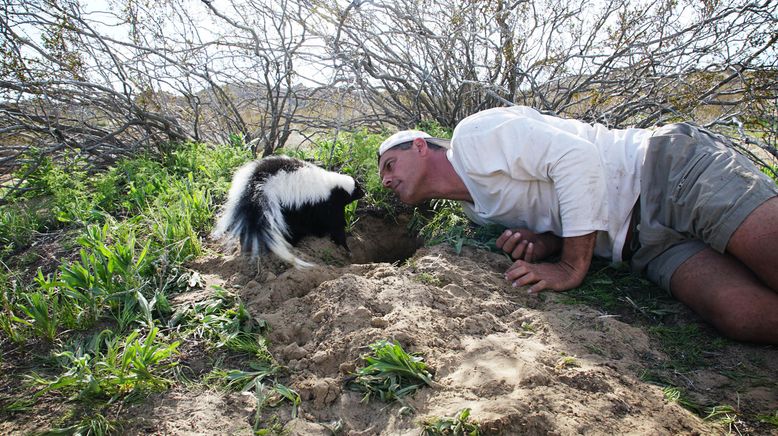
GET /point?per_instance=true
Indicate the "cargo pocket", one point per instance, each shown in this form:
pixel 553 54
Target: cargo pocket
pixel 691 172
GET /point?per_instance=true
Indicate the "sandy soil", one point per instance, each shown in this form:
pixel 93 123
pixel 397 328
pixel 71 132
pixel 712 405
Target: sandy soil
pixel 493 349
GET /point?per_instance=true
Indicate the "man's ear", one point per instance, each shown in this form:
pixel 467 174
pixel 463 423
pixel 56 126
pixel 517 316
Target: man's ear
pixel 421 145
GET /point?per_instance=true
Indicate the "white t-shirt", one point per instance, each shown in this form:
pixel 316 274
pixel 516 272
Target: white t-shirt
pixel 548 174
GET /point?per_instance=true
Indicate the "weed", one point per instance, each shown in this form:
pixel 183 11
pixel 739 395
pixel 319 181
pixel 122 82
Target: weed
pixel 685 344
pixel 17 225
pixel 41 310
pixel 107 367
pixel 567 362
pixel 224 322
pixel 238 380
pixel 390 374
pixel 673 394
pixel 527 328
pixel 427 279
pixel 771 419
pixel 724 414
pixel 96 425
pixel 458 425
pixel 449 224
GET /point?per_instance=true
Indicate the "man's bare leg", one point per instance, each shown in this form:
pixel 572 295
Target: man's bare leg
pixel 728 295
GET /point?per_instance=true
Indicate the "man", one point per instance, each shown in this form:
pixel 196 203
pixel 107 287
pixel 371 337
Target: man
pixel 694 216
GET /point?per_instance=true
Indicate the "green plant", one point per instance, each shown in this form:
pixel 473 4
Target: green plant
pixel 673 394
pixel 448 224
pixel 771 419
pixel 566 362
pixel 390 374
pixel 17 224
pixel 686 345
pixel 42 314
pixel 239 380
pixel 107 367
pixel 95 425
pixel 428 279
pixel 224 322
pixel 457 425
pixel 723 414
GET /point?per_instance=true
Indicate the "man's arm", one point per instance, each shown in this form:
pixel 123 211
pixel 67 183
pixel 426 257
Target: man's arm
pixel 566 274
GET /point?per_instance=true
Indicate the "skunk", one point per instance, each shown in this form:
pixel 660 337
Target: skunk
pixel 276 201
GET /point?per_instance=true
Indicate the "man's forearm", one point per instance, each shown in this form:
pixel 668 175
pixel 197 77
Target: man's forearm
pixel 566 274
pixel 577 255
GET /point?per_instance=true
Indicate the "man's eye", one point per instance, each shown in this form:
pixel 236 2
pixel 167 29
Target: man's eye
pixel 389 166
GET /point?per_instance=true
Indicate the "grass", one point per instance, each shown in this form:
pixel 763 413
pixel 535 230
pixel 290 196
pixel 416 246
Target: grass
pixel 673 394
pixel 223 322
pixel 771 418
pixel 723 415
pixel 457 425
pixel 447 223
pixel 101 317
pixel 390 373
pixel 567 362
pixel 96 425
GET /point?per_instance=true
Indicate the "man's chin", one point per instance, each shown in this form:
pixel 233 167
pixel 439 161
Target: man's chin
pixel 410 201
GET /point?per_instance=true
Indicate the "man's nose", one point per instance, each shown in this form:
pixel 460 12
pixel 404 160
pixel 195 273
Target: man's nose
pixel 386 181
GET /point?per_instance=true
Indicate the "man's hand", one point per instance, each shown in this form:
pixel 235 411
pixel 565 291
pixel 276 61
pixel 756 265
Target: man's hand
pixel 566 274
pixel 524 244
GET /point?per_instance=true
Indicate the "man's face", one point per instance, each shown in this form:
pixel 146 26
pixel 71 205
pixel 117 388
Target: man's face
pixel 401 171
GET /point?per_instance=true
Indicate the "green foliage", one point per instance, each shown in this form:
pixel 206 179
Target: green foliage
pixel 771 419
pixel 41 309
pixel 771 171
pixel 117 273
pixel 67 184
pixel 448 224
pixel 17 224
pixel 458 425
pixel 136 223
pixel 223 321
pixel 434 128
pixel 108 367
pixel 243 381
pixel 673 394
pixel 390 374
pixel 94 425
pixel 686 345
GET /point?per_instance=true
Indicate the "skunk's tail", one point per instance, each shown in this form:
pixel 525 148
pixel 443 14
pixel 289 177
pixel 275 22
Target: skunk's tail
pixel 250 218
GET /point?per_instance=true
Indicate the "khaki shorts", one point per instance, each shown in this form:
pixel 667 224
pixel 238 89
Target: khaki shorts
pixel 694 193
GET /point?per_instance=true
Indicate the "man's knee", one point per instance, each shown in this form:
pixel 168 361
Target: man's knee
pixel 754 240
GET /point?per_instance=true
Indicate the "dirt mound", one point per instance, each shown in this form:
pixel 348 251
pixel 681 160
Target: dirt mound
pixel 522 364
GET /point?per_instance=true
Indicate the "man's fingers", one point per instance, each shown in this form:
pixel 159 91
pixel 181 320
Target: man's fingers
pixel 518 252
pixel 511 243
pixel 518 268
pixel 529 256
pixel 503 239
pixel 537 287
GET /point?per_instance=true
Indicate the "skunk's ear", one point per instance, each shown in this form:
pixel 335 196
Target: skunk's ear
pixel 357 193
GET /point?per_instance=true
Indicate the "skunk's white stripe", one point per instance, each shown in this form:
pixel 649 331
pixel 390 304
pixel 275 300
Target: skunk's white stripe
pixel 240 182
pixel 306 185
